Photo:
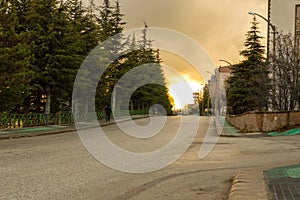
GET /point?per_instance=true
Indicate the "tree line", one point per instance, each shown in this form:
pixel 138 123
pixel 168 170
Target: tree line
pixel 43 44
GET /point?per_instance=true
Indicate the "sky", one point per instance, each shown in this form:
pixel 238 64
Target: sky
pixel 219 26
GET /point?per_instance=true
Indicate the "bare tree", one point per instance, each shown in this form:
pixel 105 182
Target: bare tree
pixel 286 65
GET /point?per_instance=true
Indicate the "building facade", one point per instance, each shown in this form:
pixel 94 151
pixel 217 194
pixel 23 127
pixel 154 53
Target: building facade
pixel 285 16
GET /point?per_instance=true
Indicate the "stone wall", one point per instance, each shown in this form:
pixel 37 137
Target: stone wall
pixel 264 121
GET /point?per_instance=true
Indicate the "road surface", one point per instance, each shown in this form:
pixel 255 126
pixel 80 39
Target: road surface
pixel 59 166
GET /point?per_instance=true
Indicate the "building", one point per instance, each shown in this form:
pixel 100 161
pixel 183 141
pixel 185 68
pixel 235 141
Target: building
pixel 191 109
pixel 285 16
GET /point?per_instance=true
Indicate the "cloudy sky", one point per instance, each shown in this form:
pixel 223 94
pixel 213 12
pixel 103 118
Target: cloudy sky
pixel 219 26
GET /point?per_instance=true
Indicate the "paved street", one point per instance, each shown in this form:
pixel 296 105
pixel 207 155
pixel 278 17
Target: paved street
pixel 59 167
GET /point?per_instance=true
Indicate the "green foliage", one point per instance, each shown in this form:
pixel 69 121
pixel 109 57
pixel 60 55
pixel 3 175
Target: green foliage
pixel 204 102
pixel 249 85
pixel 150 93
pixel 44 42
pixel 15 58
pixel 110 24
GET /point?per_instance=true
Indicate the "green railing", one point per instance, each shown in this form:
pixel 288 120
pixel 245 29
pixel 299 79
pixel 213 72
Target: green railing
pixel 11 121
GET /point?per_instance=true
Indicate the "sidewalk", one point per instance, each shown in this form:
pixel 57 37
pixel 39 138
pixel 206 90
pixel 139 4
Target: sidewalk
pixel 230 131
pixel 55 129
pixel 248 184
pixel 267 183
pixel 289 132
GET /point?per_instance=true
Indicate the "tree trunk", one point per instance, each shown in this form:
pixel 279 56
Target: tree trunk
pixel 48 104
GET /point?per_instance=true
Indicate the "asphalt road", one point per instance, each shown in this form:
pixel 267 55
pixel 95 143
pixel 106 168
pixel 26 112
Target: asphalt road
pixel 59 166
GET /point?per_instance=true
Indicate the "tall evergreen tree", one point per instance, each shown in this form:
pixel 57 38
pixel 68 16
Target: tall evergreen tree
pixel 44 42
pixel 150 94
pixel 15 58
pixel 84 30
pixel 249 85
pixel 110 24
pixel 61 35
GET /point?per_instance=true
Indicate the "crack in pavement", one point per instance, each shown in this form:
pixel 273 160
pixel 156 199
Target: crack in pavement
pixel 138 190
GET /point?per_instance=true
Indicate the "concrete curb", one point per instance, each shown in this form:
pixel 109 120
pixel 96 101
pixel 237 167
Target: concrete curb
pixel 71 128
pixel 249 184
pixel 34 134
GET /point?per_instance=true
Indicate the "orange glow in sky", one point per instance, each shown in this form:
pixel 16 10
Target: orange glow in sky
pixel 185 93
pixel 218 26
pixel 181 82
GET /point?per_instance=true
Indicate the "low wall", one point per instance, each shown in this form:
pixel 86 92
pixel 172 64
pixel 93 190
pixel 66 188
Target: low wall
pixel 264 121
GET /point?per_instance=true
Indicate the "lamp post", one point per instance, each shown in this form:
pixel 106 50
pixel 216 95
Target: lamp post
pixel 210 89
pixel 201 94
pixel 225 61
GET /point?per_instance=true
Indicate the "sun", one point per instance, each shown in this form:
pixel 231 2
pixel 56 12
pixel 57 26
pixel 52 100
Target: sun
pixel 182 91
pixel 182 79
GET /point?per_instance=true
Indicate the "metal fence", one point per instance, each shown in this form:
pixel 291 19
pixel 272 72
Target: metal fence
pixel 12 121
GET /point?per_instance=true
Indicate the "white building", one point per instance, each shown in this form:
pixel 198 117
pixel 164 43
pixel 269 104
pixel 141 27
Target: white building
pixel 285 16
pixel 190 109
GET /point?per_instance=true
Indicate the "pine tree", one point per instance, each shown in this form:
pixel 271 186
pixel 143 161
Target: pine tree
pixel 15 59
pixel 61 34
pixel 44 42
pixel 110 25
pixel 150 94
pixel 42 45
pixel 84 30
pixel 249 85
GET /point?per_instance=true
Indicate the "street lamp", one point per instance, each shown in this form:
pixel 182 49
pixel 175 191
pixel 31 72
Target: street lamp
pixel 225 61
pixel 202 102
